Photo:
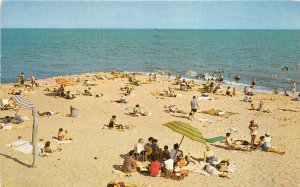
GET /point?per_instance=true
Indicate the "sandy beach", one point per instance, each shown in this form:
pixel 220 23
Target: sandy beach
pixel 95 152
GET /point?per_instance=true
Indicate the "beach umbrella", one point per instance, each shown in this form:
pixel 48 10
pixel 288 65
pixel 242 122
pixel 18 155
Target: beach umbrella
pixel 64 81
pixel 185 130
pixel 25 103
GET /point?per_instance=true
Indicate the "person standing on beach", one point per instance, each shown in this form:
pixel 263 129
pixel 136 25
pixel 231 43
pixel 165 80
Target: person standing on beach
pixel 194 107
pixel 253 131
pixel 169 73
pixel 32 80
pixel 294 88
pixel 253 81
pixel 21 79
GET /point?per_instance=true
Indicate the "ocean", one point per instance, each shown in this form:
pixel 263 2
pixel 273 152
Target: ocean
pixel 54 52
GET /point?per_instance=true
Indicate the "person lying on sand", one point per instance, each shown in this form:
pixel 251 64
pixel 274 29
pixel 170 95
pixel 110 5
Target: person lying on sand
pixel 47 113
pixel 174 109
pixel 285 93
pixel 121 100
pixel 88 83
pixel 63 135
pixel 14 92
pixel 88 92
pixel 232 143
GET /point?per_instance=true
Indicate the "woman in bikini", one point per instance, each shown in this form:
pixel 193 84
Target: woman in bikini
pixel 253 131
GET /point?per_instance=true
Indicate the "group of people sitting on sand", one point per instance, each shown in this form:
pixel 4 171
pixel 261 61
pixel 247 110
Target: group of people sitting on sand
pixel 61 136
pixel 229 93
pixel 60 92
pixel 160 162
pixel 264 142
pixel 168 163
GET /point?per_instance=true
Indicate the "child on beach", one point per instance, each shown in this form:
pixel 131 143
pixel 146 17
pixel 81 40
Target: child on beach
pixel 63 135
pixel 47 148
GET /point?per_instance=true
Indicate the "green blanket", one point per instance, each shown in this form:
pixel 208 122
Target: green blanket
pixel 215 139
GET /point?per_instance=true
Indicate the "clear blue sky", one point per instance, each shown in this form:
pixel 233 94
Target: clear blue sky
pixel 152 14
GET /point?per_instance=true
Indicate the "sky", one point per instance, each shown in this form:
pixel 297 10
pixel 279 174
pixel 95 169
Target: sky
pixel 151 14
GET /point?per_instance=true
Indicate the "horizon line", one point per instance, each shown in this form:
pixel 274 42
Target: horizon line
pixel 115 28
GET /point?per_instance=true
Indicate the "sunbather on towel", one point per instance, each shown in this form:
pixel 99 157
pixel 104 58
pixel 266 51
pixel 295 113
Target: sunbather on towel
pixel 232 144
pixel 47 113
pixel 122 100
pixel 63 135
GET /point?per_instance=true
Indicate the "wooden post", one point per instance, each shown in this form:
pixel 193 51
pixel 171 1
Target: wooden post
pixel 34 137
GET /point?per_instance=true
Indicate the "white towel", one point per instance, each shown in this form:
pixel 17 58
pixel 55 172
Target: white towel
pixel 24 146
pixel 64 141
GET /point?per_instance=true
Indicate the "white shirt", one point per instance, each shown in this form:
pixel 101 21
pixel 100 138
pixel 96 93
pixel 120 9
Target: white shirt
pixel 169 164
pixel 139 148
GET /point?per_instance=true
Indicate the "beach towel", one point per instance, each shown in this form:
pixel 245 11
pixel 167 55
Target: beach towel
pixel 23 146
pixel 4 102
pixel 217 112
pixel 63 141
pixel 215 139
pixel 206 120
pixel 122 174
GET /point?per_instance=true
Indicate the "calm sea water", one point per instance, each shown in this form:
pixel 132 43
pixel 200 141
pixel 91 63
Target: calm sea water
pixel 52 52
